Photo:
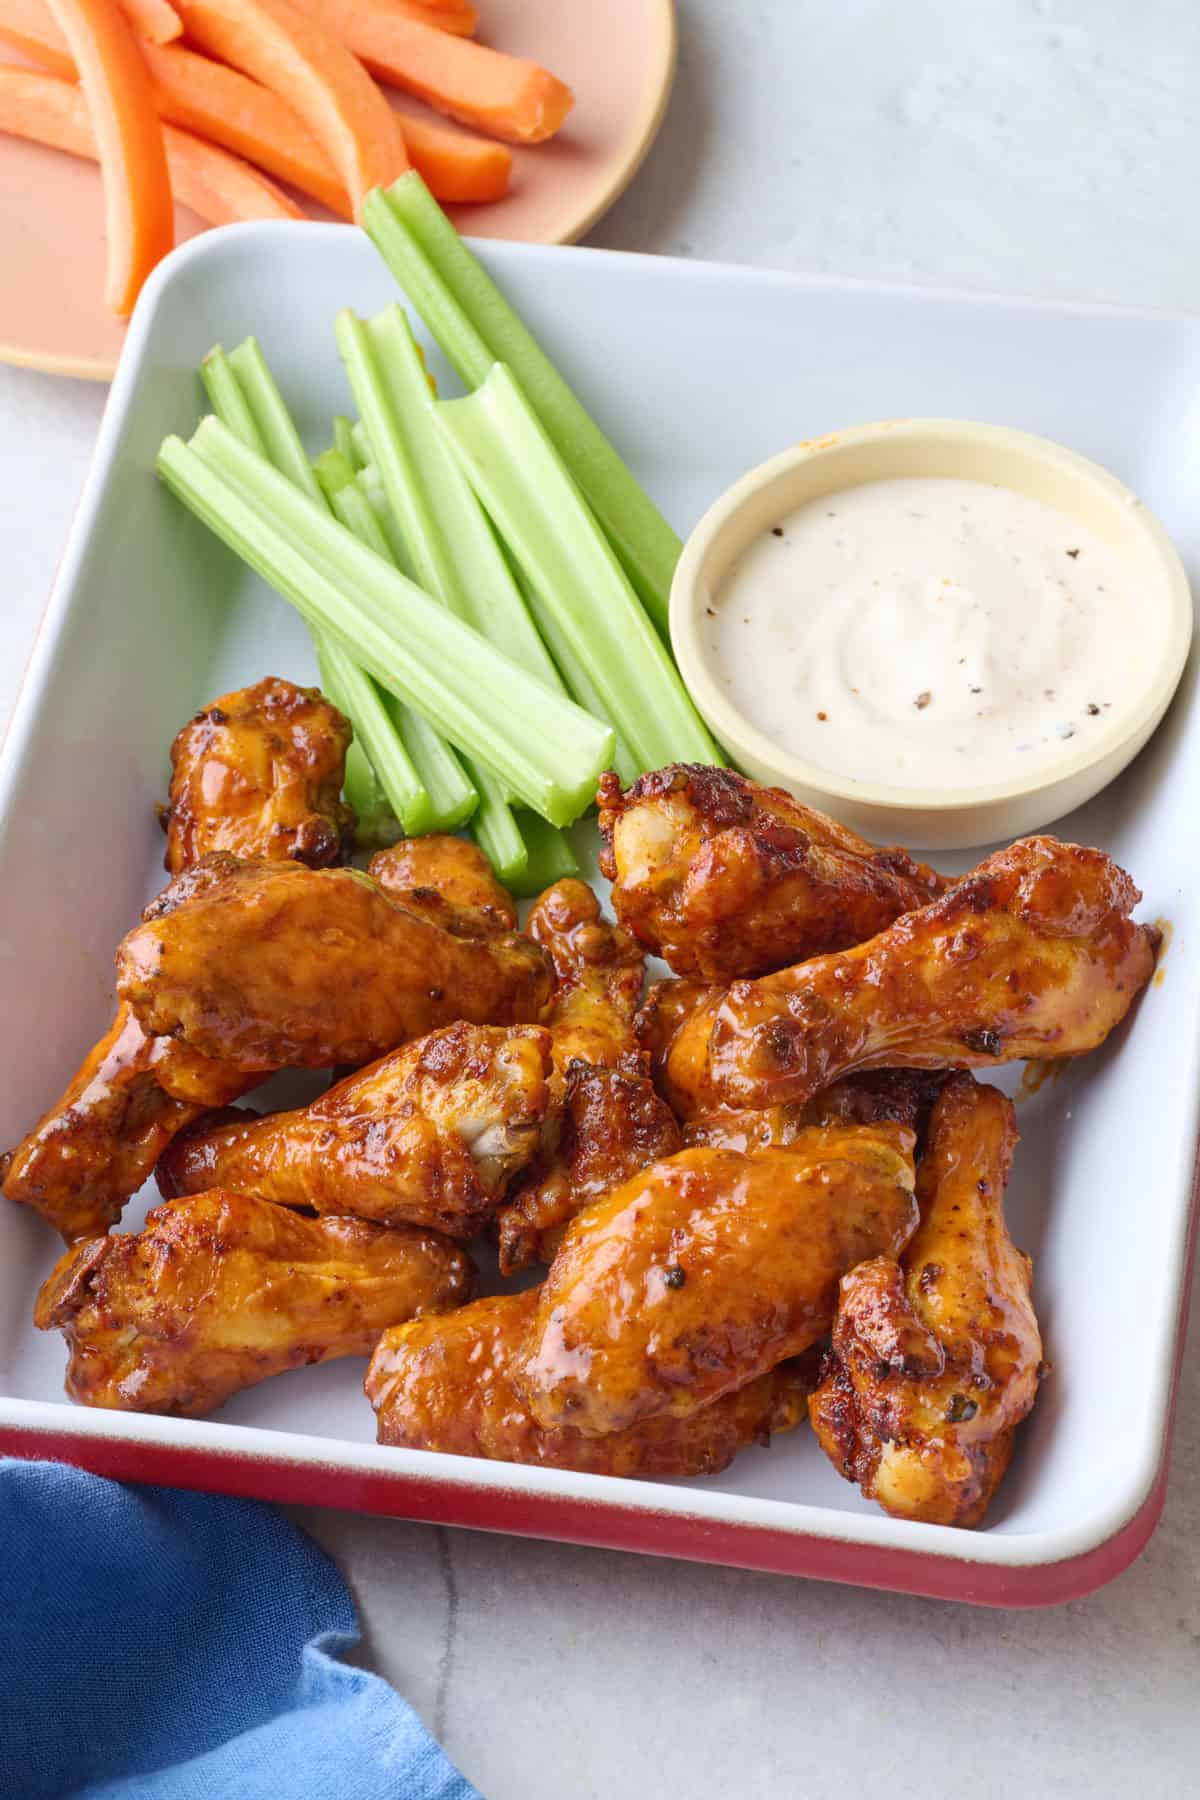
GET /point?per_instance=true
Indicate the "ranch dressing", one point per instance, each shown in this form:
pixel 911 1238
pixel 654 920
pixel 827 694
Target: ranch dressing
pixel 929 633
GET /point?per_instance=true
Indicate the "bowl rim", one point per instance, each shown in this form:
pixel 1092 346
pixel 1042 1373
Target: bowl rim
pixel 744 739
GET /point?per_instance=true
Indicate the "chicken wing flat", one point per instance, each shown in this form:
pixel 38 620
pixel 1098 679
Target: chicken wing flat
pixel 272 965
pixel 936 1359
pixel 612 1124
pixel 259 773
pixel 431 1135
pixel 446 1384
pixel 724 878
pixel 1031 955
pixel 708 1270
pixel 598 974
pixel 899 1096
pixel 220 1291
pixel 449 881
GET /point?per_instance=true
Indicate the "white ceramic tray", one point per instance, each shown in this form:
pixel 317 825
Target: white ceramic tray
pixel 698 372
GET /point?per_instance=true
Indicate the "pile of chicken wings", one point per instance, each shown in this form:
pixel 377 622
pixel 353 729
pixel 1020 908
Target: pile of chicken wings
pixel 768 1189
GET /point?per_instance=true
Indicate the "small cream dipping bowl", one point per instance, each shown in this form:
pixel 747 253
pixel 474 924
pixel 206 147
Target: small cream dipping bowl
pixel 1033 466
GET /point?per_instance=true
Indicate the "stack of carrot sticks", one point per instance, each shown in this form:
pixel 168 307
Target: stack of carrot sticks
pixel 212 102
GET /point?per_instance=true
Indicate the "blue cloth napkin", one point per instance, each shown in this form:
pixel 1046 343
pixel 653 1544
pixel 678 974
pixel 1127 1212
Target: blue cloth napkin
pixel 157 1645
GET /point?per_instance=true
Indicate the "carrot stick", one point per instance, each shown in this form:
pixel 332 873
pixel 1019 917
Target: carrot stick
pixel 218 187
pixel 139 214
pixel 218 102
pixel 314 73
pixel 202 96
pixel 461 20
pixel 458 169
pixel 155 20
pixel 30 27
pixel 503 95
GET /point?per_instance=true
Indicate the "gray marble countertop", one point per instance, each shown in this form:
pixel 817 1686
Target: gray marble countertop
pixel 1037 146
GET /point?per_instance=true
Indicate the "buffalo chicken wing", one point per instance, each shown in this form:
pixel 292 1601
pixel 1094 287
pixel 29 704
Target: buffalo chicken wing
pixel 272 965
pixel 259 770
pixel 259 773
pixel 221 1290
pixel 936 1358
pixel 431 1135
pixel 608 1121
pixel 708 1270
pixel 446 1384
pixel 724 878
pixel 1033 954
pixel 598 973
pixel 100 1141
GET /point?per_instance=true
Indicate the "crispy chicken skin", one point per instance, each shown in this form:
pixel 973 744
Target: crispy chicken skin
pixel 1033 954
pixel 612 1124
pixel 259 773
pixel 446 1384
pixel 272 965
pixel 708 1270
pixel 608 1121
pixel 725 879
pixel 899 1096
pixel 449 881
pixel 598 974
pixel 221 1290
pixel 431 1135
pixel 936 1359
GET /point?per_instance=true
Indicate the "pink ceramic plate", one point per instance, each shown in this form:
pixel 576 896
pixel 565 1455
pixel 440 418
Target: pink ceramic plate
pixel 619 58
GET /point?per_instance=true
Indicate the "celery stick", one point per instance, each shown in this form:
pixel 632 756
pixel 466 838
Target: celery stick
pixel 548 853
pixel 420 774
pixel 280 440
pixel 454 793
pixel 497 833
pixel 576 679
pixel 246 397
pixel 228 401
pixel 454 553
pixel 377 823
pixel 452 797
pixel 566 558
pixel 343 440
pixel 475 327
pixel 368 480
pixel 334 471
pixel 380 736
pixel 546 748
pixel 454 550
pixel 363 454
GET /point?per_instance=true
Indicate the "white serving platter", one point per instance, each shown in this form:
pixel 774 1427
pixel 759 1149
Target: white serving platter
pixel 697 372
